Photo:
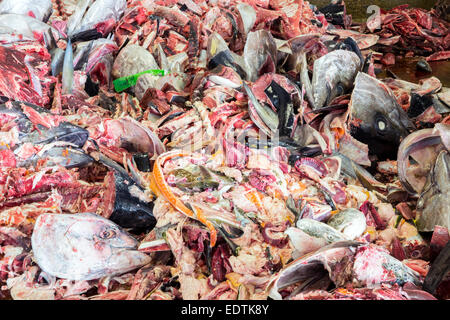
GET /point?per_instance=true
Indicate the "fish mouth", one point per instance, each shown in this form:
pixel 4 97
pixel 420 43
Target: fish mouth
pixel 123 260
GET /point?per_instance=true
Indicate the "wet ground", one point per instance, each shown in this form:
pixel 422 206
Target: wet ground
pixel 405 69
pixel 358 8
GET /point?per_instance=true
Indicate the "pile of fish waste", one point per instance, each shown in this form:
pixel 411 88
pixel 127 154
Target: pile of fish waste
pixel 195 149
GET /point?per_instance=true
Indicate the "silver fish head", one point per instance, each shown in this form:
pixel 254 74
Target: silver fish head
pixel 333 74
pixel 312 267
pixel 434 202
pixel 83 246
pixel 377 118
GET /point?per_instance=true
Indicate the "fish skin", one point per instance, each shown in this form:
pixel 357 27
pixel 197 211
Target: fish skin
pixel 129 210
pixel 333 74
pixel 83 246
pixel 433 205
pixel 377 118
pixel 67 70
pixel 306 82
pixel 57 61
pixel 63 155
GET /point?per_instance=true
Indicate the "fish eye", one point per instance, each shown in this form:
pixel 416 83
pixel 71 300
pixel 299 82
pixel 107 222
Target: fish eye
pixel 381 125
pixel 107 234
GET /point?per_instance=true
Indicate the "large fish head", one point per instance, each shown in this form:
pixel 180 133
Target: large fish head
pixel 312 267
pixel 333 75
pixel 434 204
pixel 377 118
pixel 83 246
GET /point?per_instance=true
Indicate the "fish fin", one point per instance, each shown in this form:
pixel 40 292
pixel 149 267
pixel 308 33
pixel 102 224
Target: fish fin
pixel 366 64
pixel 353 46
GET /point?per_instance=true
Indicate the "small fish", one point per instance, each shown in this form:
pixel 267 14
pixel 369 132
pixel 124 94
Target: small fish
pixel 321 230
pixel 377 118
pixel 83 246
pixel 333 75
pixel 67 70
pixel 351 222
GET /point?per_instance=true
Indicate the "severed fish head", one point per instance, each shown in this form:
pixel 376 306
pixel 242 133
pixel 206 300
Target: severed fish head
pixel 434 202
pixel 83 246
pixel 377 118
pixel 333 75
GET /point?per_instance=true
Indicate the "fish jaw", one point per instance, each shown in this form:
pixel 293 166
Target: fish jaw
pixel 83 246
pixel 302 242
pixel 123 260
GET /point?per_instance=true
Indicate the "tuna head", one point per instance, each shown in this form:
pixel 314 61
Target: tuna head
pixel 333 75
pixel 377 118
pixel 83 246
pixel 434 201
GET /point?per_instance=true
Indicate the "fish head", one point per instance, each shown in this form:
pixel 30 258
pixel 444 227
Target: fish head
pixel 433 205
pixel 83 246
pixel 333 75
pixel 377 118
pixel 313 267
pixel 373 266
